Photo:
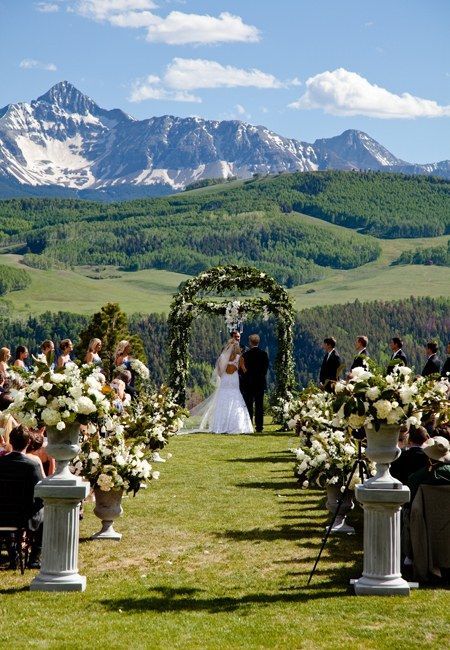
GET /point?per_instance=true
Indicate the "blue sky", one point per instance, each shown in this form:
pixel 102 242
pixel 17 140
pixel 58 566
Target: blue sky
pixel 304 69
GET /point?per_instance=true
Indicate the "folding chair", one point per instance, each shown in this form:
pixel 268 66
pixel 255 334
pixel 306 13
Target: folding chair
pixel 14 508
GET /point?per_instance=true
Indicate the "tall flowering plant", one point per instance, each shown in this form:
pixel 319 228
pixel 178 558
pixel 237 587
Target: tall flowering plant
pixel 370 399
pixel 60 397
pixel 110 464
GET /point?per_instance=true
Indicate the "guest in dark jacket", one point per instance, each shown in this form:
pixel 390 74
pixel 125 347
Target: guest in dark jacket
pixel 398 357
pixel 255 364
pixel 361 352
pixel 412 457
pixel 331 364
pixel 21 508
pixel 445 372
pixel 433 364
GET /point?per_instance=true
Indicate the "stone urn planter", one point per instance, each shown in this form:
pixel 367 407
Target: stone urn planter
pixel 63 446
pixel 108 507
pixel 382 448
pixel 339 524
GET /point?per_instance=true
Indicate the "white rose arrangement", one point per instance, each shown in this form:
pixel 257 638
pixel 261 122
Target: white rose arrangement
pixel 370 399
pixel 59 397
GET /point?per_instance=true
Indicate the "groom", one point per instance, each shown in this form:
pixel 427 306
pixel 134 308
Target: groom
pixel 253 381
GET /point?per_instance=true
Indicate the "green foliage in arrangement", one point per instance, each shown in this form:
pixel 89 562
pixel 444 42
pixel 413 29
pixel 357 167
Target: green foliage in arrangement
pixel 12 279
pixel 439 255
pixel 253 222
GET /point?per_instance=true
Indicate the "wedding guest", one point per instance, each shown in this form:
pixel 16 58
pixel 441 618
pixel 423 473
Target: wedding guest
pixel 5 356
pixel 412 457
pixel 398 357
pixel 445 372
pixel 361 352
pixel 123 398
pixel 20 356
pixel 37 448
pixel 36 442
pixel 47 351
pixel 26 471
pixel 66 348
pixel 437 471
pixel 5 396
pixel 126 377
pixel 122 357
pixel 93 352
pixel 433 364
pixel 329 370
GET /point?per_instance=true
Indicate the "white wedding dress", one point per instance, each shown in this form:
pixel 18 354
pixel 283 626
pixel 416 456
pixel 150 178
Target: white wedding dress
pixel 225 411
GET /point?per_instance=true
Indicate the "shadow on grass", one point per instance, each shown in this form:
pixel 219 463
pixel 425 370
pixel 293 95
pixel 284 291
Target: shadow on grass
pixel 14 590
pixel 191 600
pixel 267 485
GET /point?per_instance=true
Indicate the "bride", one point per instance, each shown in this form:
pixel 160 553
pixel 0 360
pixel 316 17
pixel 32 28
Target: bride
pixel 225 411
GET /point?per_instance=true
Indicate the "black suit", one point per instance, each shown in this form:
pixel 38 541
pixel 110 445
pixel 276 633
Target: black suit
pixel 329 369
pixel 432 366
pixel 18 504
pixel 395 358
pixel 409 461
pixel 358 361
pixel 446 368
pixel 253 383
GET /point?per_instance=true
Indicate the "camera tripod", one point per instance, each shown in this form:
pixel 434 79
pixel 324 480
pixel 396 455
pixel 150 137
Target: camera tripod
pixel 359 465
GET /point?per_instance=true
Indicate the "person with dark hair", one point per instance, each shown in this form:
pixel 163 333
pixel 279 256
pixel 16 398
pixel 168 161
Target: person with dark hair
pixel 445 372
pixel 398 357
pixel 5 396
pixel 433 364
pixel 361 344
pixel 331 364
pixel 255 364
pixel 412 457
pixel 20 356
pixel 17 466
pixel 126 377
pixel 66 347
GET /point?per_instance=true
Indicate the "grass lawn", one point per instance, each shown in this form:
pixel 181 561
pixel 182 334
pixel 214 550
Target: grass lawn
pixel 216 555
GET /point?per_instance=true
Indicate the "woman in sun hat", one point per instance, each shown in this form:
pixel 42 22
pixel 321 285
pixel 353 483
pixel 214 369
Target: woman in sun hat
pixel 438 470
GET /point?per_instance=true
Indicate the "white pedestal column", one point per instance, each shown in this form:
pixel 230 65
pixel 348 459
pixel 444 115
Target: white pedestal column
pixel 59 561
pixel 381 574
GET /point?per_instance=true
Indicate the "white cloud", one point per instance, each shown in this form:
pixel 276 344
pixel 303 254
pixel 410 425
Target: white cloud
pixel 47 7
pixel 240 110
pixel 189 74
pixel 177 28
pixel 33 64
pixel 185 75
pixel 341 92
pixel 150 88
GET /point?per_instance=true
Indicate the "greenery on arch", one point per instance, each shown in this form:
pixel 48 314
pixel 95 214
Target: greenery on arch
pixel 189 303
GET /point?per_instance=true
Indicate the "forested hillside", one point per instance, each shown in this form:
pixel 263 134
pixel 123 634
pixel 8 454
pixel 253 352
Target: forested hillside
pixel 415 320
pixel 256 222
pixel 439 255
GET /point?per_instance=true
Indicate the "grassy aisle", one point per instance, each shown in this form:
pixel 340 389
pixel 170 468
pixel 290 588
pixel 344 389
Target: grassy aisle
pixel 216 555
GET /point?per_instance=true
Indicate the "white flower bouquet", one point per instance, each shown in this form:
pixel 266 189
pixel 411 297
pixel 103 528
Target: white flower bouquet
pixel 371 399
pixel 59 397
pixel 110 464
pixel 137 367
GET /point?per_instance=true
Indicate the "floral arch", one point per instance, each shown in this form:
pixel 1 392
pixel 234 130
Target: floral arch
pixel 187 304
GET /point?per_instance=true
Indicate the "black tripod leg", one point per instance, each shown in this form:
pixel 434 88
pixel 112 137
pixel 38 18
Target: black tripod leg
pixel 328 531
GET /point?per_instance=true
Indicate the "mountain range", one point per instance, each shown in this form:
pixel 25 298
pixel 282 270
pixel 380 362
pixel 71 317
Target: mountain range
pixel 64 144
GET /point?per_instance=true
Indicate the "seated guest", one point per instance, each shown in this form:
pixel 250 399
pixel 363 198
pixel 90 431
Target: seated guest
pixel 437 471
pixel 398 357
pixel 445 372
pixel 126 377
pixel 412 457
pixel 5 396
pixel 329 370
pixel 17 466
pixel 38 448
pixel 433 364
pixel 361 352
pixel 35 446
pixel 123 399
pixel 21 355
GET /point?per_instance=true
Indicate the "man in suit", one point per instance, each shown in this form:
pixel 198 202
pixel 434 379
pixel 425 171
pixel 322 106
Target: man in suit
pixel 398 357
pixel 20 507
pixel 253 385
pixel 361 352
pixel 413 457
pixel 331 364
pixel 433 364
pixel 445 372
